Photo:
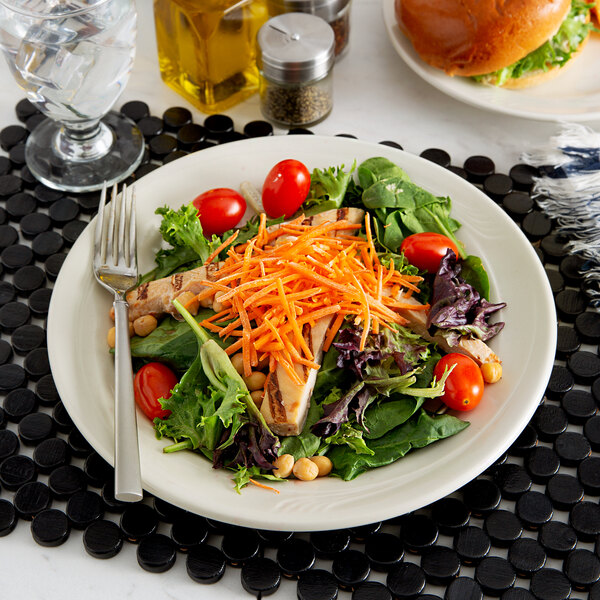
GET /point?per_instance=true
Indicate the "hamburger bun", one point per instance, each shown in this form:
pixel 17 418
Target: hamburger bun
pixel 596 13
pixel 477 37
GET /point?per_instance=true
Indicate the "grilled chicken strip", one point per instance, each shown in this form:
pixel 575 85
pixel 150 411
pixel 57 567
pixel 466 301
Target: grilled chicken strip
pixel 285 403
pixel 156 297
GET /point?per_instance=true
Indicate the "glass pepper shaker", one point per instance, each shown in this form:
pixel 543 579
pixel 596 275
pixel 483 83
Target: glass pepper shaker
pixel 295 58
pixel 335 12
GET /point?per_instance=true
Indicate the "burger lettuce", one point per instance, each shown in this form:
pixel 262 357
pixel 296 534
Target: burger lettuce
pixel 554 53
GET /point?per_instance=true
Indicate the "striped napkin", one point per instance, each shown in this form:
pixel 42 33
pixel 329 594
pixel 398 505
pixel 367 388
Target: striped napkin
pixel 568 190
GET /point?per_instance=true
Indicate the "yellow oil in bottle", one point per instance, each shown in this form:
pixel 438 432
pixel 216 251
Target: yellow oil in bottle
pixel 207 49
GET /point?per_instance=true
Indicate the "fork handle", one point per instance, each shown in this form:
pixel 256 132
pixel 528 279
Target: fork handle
pixel 128 481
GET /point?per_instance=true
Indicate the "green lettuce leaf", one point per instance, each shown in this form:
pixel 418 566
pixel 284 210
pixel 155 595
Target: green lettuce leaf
pixel 327 189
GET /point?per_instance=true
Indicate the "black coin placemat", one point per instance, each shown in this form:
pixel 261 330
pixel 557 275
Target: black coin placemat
pixel 528 527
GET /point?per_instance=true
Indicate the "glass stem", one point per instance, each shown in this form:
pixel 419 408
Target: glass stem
pixel 82 142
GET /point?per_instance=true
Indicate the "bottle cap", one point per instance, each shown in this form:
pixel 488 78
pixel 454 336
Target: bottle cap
pixel 326 9
pixel 295 48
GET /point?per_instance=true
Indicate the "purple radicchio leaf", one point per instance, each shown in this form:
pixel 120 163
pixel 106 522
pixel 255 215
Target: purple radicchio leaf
pixel 406 353
pixel 336 413
pixel 456 306
pixel 363 399
pixel 350 356
pixel 253 446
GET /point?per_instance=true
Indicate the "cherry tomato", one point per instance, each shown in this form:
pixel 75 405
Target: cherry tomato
pixel 153 381
pixel 426 250
pixel 219 210
pixel 285 188
pixel 464 386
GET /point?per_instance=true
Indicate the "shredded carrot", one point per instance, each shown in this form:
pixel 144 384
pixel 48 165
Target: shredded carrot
pixel 226 243
pixel 262 230
pixel 332 332
pixel 262 485
pixel 274 287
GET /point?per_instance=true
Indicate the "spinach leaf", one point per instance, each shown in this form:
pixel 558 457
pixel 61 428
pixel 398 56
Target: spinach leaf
pixel 172 342
pixel 405 208
pixel 419 431
pixel 376 168
pixel 474 273
pixel 385 416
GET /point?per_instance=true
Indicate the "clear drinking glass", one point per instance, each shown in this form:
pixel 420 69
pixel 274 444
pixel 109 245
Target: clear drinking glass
pixel 73 58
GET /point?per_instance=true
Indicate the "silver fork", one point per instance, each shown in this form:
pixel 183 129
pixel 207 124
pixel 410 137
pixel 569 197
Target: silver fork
pixel 115 268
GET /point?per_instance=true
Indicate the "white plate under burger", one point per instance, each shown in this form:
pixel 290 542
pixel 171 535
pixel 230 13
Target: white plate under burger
pixel 83 368
pixel 573 95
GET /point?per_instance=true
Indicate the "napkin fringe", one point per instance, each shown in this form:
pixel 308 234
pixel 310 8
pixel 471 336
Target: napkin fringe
pixel 568 191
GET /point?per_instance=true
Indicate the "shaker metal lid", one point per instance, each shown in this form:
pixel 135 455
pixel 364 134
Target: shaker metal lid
pixel 295 48
pixel 326 9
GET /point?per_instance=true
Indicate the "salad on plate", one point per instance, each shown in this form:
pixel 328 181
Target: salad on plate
pixel 341 326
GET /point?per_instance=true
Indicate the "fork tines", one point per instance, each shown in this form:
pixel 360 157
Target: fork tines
pixel 120 226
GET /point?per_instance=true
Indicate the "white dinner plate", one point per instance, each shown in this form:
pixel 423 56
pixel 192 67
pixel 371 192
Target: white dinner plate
pixel 572 96
pixel 82 367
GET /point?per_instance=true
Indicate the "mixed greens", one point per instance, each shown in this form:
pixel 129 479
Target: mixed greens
pixel 368 406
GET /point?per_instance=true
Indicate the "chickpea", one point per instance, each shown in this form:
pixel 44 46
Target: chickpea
pixel 145 325
pixel 305 469
pixel 111 313
pixel 257 396
pixel 206 302
pixel 324 465
pixel 110 338
pixel 283 465
pixel 491 372
pixel 256 381
pixel 237 360
pixel 217 305
pixel 190 302
pixel 131 330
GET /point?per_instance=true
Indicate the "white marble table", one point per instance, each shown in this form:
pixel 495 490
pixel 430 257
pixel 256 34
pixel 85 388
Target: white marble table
pixel 377 97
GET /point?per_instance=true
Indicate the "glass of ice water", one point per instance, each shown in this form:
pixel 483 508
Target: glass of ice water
pixel 73 59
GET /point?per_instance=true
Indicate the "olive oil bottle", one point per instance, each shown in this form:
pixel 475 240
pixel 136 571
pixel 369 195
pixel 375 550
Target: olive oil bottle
pixel 207 49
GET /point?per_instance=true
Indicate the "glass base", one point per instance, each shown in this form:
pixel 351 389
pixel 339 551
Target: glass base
pixel 48 162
